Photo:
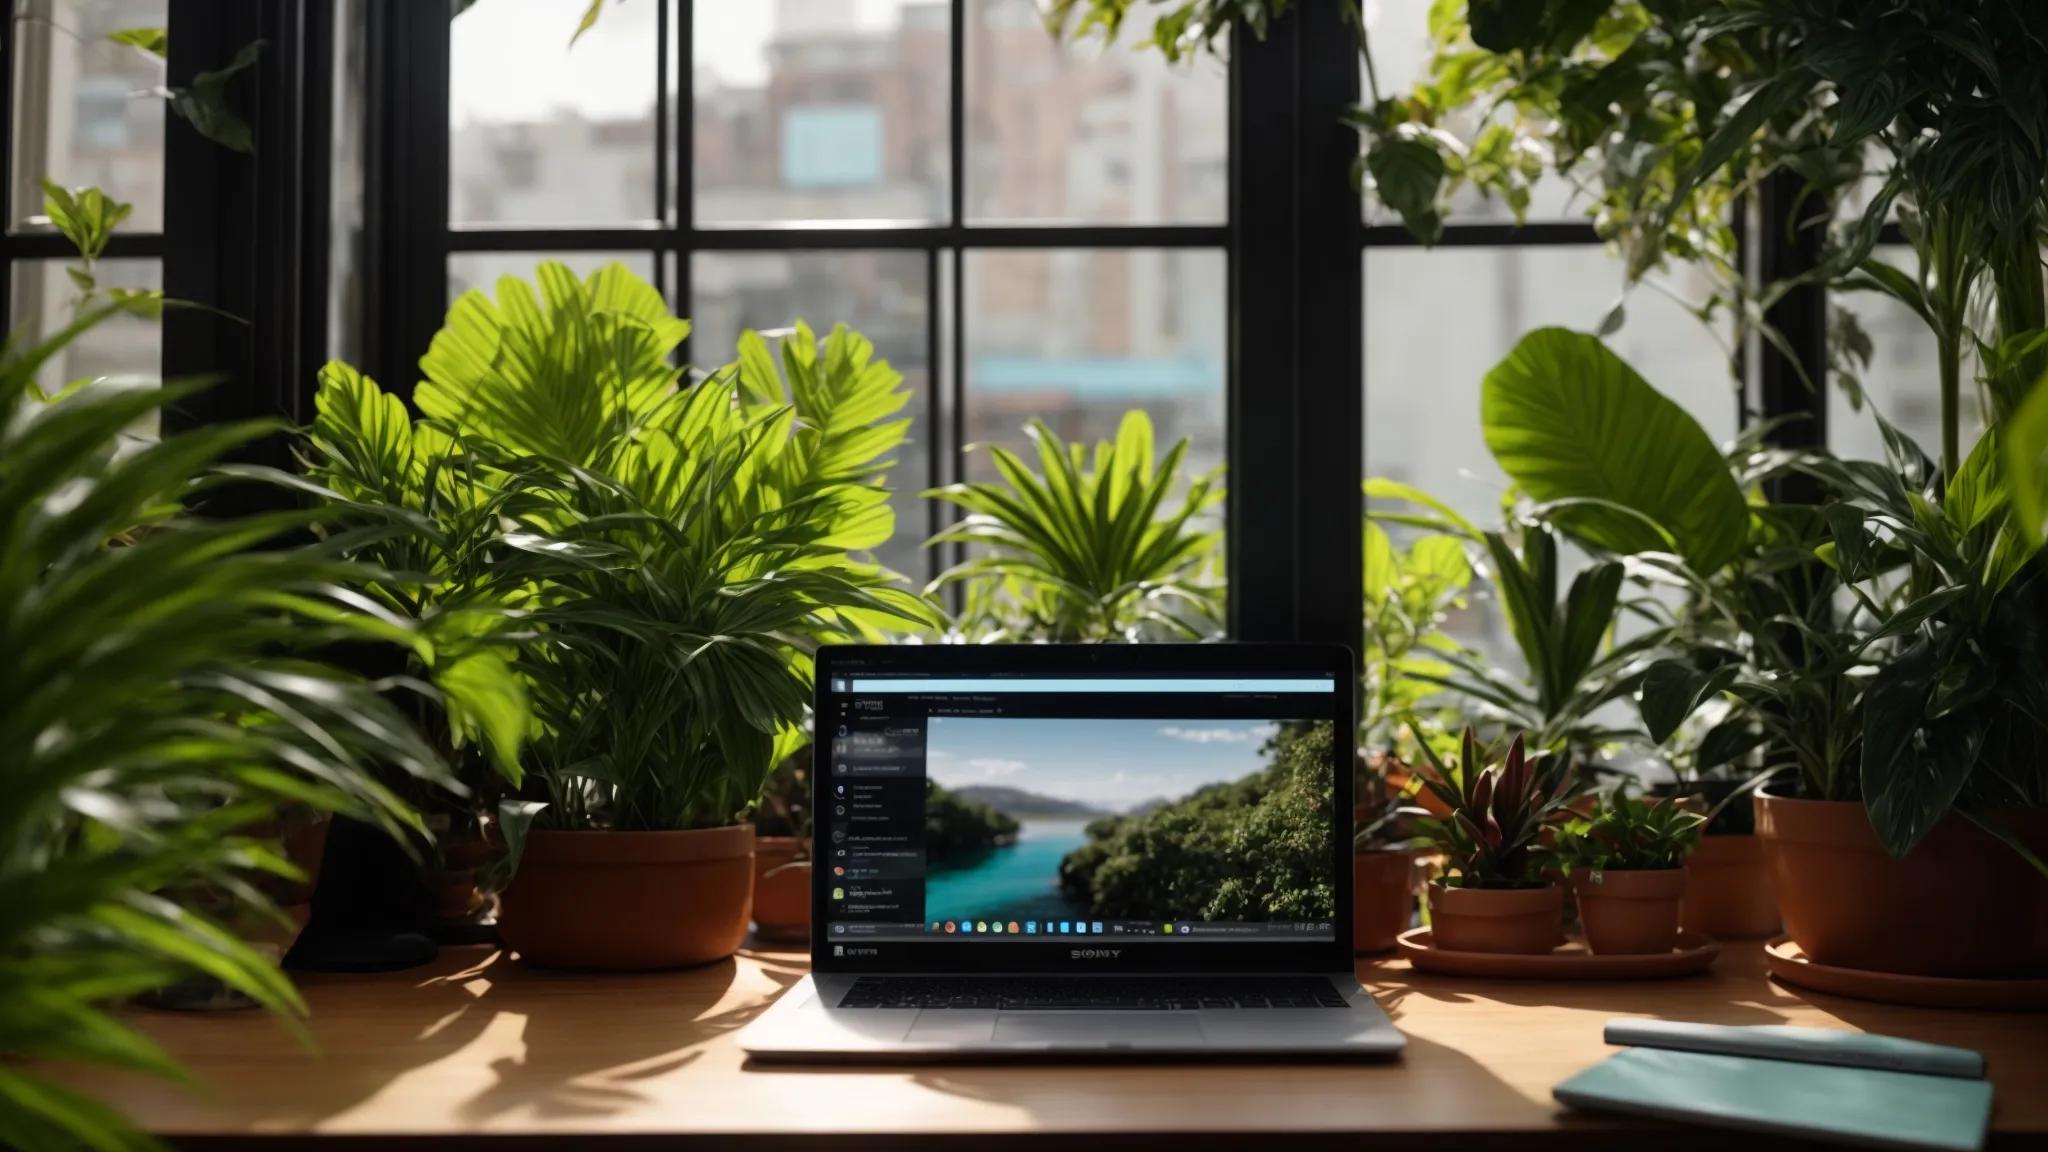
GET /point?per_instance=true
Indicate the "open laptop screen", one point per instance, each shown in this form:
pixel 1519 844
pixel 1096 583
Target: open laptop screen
pixel 993 809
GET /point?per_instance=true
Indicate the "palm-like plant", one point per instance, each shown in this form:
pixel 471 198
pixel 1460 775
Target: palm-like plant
pixel 158 699
pixel 672 547
pixel 1087 549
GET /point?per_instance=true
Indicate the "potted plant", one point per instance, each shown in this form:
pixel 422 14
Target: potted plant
pixel 1087 549
pixel 1626 867
pixel 1384 843
pixel 1493 896
pixel 782 853
pixel 163 699
pixel 674 545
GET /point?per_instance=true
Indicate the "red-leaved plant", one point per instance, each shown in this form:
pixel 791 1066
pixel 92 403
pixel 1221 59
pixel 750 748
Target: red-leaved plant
pixel 1498 811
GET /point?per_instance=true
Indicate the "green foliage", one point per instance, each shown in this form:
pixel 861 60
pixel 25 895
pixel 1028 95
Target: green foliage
pixel 204 103
pixel 956 831
pixel 159 698
pixel 1628 833
pixel 87 217
pixel 435 515
pixel 672 549
pixel 1181 28
pixel 1252 849
pixel 1497 812
pixel 2026 465
pixel 1087 549
pixel 155 41
pixel 1957 708
pixel 1614 462
pixel 1408 592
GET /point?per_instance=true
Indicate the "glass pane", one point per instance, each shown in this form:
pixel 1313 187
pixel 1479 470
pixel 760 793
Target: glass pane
pixel 1077 338
pixel 125 351
pixel 882 295
pixel 1903 381
pixel 543 132
pixel 345 194
pixel 1399 30
pixel 820 110
pixel 1089 134
pixel 84 114
pixel 467 270
pixel 1422 381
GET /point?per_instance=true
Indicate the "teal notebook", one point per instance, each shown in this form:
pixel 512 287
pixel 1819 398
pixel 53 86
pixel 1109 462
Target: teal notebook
pixel 1866 1106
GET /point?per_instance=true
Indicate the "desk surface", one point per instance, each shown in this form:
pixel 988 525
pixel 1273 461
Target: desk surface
pixel 481 1046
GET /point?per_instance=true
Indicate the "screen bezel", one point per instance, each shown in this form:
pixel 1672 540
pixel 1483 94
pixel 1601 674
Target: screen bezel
pixel 1038 957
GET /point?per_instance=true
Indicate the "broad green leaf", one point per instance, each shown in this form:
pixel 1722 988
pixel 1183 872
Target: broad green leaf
pixel 1673 690
pixel 155 41
pixel 484 692
pixel 2026 464
pixel 1569 421
pixel 205 105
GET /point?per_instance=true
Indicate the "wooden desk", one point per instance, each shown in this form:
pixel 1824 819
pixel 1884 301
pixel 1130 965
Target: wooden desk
pixel 480 1048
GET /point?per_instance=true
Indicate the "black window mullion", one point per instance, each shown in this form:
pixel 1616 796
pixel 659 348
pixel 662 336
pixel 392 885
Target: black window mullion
pixel 955 381
pixel 1788 247
pixel 7 175
pixel 405 211
pixel 657 250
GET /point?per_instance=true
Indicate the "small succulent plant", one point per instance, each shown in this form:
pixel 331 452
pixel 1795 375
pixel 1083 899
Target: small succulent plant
pixel 1498 812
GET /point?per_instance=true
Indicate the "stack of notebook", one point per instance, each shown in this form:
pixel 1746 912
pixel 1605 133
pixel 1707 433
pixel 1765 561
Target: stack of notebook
pixel 1876 1091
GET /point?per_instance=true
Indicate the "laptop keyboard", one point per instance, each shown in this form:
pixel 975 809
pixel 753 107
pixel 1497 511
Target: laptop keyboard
pixel 1153 993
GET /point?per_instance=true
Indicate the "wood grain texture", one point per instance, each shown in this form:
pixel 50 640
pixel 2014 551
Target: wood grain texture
pixel 481 1050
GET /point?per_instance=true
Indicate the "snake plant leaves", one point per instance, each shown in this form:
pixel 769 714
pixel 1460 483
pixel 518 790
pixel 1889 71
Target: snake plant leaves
pixel 1628 470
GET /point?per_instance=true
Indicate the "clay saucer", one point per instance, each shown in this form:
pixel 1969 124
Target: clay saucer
pixel 1790 965
pixel 1695 954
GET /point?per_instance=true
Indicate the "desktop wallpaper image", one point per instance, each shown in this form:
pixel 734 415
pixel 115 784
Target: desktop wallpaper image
pixel 1175 819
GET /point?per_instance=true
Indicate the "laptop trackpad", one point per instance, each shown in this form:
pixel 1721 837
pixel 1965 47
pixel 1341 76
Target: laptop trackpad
pixel 1110 1029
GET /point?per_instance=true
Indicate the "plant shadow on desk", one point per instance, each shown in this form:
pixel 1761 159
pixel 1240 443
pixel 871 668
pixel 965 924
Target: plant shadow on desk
pixel 584 1058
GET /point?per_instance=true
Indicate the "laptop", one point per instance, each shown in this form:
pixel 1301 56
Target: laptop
pixel 1075 851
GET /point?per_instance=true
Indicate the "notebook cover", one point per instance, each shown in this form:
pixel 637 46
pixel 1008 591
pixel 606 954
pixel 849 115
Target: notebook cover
pixel 1864 1106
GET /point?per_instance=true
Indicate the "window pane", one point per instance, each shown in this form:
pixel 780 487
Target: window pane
pixel 1089 134
pixel 1422 383
pixel 1077 338
pixel 545 132
pixel 1903 381
pixel 124 351
pixel 1399 30
pixel 83 113
pixel 467 270
pixel 820 110
pixel 882 295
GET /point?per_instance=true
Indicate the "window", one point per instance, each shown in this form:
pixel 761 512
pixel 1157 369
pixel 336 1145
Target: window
pixel 83 115
pixel 1022 228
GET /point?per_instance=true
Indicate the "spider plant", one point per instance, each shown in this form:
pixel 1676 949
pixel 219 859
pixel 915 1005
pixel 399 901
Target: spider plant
pixel 161 696
pixel 1087 549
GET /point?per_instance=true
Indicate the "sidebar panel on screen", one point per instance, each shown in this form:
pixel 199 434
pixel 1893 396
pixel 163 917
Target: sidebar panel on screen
pixel 873 788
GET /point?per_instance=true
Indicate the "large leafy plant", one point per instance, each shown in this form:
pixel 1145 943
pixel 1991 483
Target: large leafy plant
pixel 160 698
pixel 673 545
pixel 1088 548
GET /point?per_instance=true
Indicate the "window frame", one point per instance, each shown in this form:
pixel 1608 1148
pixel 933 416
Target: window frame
pixel 19 246
pixel 1291 240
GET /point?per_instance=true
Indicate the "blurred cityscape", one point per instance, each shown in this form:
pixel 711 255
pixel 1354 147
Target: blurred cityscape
pixel 836 111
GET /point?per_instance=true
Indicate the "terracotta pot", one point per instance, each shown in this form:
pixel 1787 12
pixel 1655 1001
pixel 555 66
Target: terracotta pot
pixel 1728 890
pixel 782 889
pixel 458 898
pixel 1382 898
pixel 1960 904
pixel 630 900
pixel 1518 920
pixel 1628 912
